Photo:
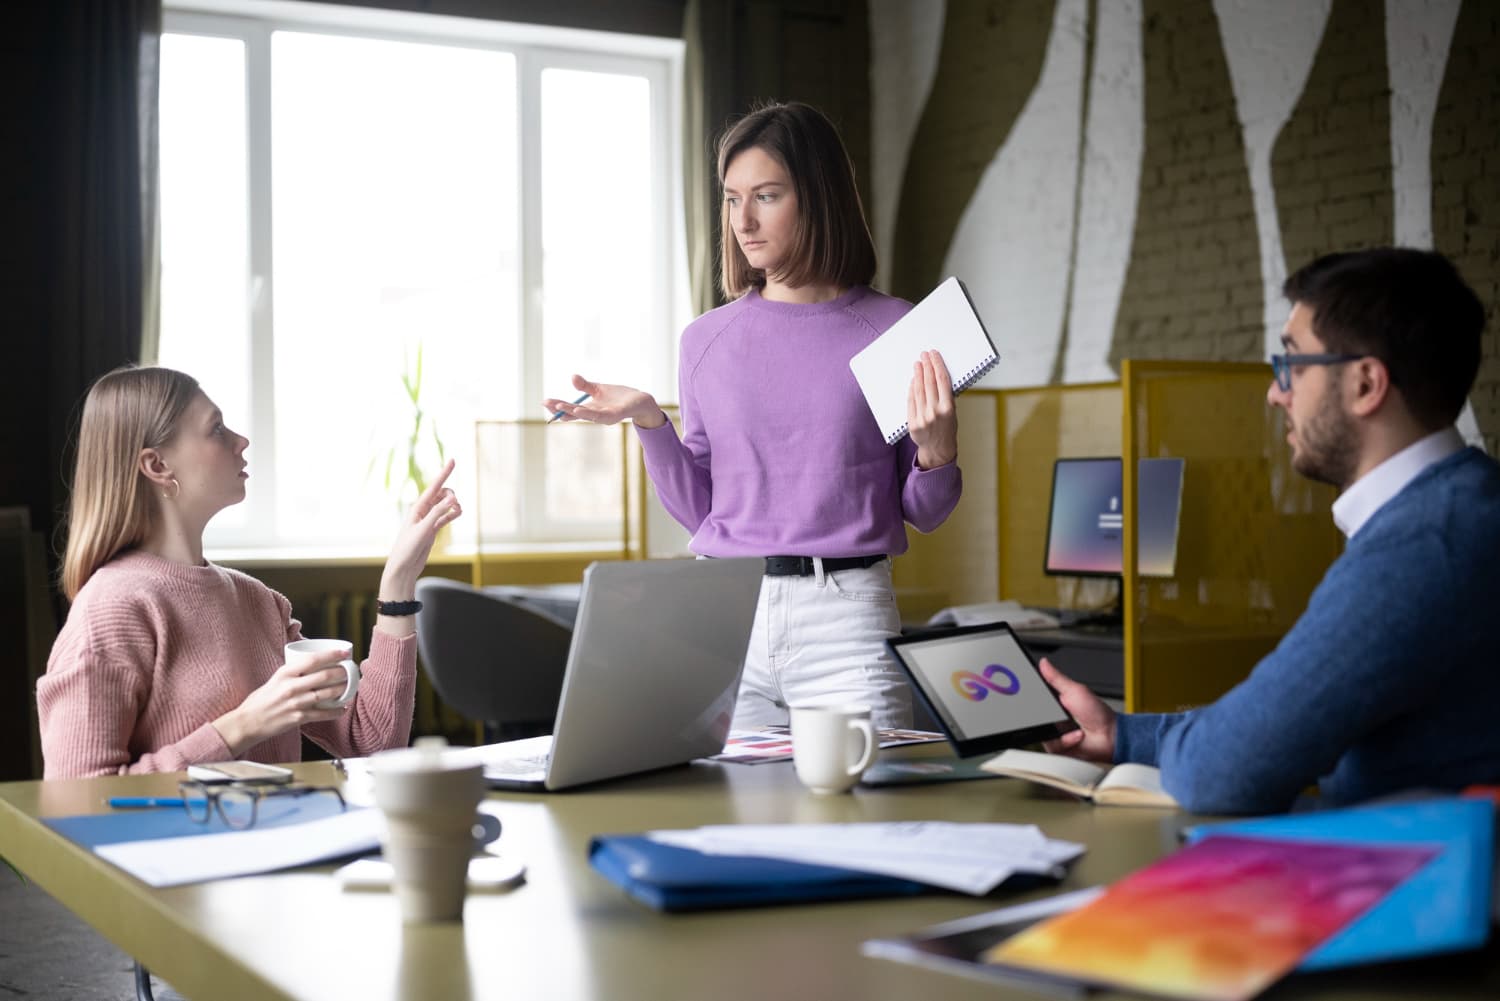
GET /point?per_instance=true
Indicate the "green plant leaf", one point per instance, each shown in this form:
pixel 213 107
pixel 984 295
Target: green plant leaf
pixel 414 473
pixel 411 382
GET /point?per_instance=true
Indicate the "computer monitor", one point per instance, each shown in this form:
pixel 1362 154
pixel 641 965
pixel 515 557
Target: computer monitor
pixel 1087 517
pixel 1158 488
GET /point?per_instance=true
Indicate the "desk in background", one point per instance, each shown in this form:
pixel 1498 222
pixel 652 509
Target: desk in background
pixel 1093 656
pixel 567 933
pixel 560 601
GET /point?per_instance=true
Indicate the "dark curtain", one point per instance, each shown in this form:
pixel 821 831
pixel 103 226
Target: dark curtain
pixel 709 102
pixel 104 155
pixel 79 253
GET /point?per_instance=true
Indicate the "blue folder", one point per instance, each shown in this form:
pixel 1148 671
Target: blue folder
pixel 1443 907
pixel 669 878
pixel 94 829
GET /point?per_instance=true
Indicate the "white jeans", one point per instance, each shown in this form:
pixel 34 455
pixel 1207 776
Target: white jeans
pixel 820 639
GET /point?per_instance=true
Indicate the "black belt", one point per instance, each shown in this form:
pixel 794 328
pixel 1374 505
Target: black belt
pixel 802 566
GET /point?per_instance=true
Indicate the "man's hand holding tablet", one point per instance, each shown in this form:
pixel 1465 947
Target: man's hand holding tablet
pixel 982 686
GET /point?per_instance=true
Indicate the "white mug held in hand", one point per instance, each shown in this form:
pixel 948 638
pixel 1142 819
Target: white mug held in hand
pixel 832 745
pixel 300 653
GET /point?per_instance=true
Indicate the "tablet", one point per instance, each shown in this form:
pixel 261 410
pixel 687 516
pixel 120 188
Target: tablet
pixel 982 686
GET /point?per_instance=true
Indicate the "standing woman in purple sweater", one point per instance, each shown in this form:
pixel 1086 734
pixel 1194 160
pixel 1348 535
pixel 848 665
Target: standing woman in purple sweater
pixel 167 660
pixel 779 455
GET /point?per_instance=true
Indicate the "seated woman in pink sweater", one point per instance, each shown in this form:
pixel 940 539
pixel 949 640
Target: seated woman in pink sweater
pixel 167 660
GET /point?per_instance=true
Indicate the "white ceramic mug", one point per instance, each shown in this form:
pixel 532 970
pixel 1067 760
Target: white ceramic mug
pixel 429 796
pixel 300 653
pixel 832 745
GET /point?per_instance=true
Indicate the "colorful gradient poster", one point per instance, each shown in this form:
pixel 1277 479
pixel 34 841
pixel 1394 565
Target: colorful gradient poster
pixel 1221 920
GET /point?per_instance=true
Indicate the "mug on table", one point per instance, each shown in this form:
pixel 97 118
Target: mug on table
pixel 832 745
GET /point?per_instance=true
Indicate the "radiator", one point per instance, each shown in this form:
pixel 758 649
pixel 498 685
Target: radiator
pixel 350 615
pixel 345 615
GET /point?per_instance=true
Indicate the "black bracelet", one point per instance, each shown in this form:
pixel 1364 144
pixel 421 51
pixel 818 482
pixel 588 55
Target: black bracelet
pixel 397 607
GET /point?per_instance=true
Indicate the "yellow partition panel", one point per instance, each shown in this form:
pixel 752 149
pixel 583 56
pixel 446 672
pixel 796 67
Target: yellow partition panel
pixel 1254 537
pixel 957 564
pixel 1035 427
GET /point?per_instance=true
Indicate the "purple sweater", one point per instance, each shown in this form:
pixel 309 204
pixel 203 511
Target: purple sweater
pixel 779 453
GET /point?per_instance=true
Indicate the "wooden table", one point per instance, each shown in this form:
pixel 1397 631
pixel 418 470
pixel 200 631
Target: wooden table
pixel 568 933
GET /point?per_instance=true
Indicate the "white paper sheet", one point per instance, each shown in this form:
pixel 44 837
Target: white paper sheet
pixel 985 612
pixel 969 858
pixel 174 861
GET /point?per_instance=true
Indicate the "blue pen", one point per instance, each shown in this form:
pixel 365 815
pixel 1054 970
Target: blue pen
pixel 558 413
pixel 142 802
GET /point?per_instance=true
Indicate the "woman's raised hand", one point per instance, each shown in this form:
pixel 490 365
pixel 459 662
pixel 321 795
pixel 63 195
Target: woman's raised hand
pixel 438 506
pixel 931 418
pixel 608 404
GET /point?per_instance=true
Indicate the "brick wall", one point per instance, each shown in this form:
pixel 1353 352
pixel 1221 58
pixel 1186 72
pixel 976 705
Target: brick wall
pixel 1193 286
pixel 1466 185
pixel 1195 283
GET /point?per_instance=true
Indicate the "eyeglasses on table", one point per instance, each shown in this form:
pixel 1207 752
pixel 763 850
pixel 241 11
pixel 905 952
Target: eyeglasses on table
pixel 239 805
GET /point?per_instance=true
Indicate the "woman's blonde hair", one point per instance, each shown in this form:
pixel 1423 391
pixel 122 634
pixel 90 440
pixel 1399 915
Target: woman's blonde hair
pixel 832 242
pixel 111 508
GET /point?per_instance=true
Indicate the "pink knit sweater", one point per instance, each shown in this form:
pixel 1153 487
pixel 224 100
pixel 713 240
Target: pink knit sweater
pixel 154 651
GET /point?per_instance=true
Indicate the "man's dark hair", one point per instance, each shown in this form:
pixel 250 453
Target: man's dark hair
pixel 1408 308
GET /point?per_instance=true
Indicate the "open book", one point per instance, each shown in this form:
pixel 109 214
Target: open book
pixel 1122 785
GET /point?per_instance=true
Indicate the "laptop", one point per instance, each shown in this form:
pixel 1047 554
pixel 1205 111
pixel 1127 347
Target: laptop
pixel 652 676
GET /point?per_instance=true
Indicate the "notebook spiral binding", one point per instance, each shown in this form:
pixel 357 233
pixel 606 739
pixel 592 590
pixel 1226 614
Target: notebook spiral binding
pixel 968 379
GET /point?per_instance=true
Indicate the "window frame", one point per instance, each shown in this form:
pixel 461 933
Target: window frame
pixel 534 49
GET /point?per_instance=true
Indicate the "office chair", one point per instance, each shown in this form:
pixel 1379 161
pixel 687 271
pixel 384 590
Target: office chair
pixel 493 657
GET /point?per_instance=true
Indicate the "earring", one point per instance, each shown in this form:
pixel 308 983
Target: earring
pixel 176 489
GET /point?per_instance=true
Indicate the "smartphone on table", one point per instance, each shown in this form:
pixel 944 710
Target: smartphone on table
pixel 240 771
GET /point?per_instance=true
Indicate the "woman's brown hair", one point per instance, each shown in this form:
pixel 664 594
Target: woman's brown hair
pixel 111 508
pixel 833 242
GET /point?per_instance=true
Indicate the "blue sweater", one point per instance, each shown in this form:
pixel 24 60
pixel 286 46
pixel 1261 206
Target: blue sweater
pixel 1390 680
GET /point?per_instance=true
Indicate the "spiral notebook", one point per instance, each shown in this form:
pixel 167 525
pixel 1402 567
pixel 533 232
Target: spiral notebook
pixel 944 321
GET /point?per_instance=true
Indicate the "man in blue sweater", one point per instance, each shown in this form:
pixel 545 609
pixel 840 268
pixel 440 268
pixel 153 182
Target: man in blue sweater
pixel 1390 679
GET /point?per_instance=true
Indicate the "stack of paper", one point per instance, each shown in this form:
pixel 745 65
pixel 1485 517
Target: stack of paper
pixel 968 858
pixel 774 743
pixel 985 612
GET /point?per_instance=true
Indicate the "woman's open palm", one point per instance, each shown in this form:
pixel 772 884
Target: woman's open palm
pixel 608 404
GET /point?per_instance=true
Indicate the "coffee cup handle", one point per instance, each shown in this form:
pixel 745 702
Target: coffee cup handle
pixel 486 829
pixel 351 683
pixel 872 746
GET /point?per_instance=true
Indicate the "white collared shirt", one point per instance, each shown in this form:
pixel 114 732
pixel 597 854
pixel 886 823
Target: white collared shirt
pixel 1371 491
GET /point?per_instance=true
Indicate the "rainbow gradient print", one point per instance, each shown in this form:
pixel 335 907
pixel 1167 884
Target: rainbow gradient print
pixel 1221 920
pixel 975 687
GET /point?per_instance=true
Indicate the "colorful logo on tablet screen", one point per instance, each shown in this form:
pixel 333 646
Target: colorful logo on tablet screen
pixel 976 688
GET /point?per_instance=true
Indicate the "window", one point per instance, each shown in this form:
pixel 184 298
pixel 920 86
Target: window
pixel 349 192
